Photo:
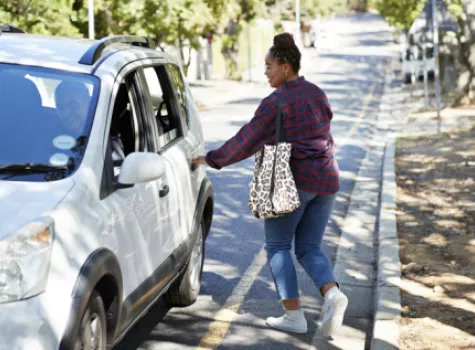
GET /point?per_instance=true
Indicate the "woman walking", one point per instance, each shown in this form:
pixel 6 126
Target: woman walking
pixel 306 116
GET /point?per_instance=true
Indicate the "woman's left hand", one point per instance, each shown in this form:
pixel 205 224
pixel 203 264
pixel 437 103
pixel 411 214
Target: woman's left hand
pixel 199 161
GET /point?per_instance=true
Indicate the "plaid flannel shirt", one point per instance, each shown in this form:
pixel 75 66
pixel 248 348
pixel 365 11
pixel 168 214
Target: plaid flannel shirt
pixel 306 117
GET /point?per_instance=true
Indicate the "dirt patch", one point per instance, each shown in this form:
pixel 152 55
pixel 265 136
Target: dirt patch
pixel 436 228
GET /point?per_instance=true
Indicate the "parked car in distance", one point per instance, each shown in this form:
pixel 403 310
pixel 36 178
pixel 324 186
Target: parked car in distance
pixel 413 63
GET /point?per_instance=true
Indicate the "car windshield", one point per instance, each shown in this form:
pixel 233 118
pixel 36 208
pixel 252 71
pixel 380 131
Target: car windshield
pixel 45 118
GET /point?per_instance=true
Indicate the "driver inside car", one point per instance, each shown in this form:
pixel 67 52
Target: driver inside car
pixel 72 106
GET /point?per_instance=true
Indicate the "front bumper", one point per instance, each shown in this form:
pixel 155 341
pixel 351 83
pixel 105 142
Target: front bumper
pixel 29 324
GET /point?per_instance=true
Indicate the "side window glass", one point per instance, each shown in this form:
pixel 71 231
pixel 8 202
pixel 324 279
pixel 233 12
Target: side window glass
pixel 180 88
pixel 124 132
pixel 167 122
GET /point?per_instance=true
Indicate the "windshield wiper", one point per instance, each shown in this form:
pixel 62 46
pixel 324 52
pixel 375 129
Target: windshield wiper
pixel 30 168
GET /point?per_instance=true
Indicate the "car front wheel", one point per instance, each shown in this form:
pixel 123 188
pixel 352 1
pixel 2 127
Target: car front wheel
pixel 92 334
pixel 184 291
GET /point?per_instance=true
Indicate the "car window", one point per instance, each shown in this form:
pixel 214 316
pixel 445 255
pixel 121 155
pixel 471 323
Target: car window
pixel 180 89
pixel 126 133
pixel 48 116
pixel 430 53
pixel 158 88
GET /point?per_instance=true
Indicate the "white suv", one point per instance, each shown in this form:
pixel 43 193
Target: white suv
pixel 102 211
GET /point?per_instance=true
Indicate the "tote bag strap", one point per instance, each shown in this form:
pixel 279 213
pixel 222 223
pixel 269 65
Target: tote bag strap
pixel 279 131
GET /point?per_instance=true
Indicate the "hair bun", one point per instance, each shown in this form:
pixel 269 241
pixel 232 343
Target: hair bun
pixel 284 41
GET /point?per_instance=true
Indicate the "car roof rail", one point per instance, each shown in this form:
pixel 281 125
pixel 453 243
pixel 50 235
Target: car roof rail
pixel 93 54
pixel 7 28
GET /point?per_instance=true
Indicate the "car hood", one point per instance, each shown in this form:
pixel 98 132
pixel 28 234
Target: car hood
pixel 22 202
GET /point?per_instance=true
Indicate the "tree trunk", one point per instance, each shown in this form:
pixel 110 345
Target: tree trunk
pixel 186 66
pixel 358 5
pixel 466 56
pixel 181 48
pixel 181 55
pixel 231 71
pixel 230 50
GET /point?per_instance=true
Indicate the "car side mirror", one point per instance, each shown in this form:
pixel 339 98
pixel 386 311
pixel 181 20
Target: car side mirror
pixel 140 167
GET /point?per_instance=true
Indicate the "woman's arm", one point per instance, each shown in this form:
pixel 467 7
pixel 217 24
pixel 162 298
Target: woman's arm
pixel 251 138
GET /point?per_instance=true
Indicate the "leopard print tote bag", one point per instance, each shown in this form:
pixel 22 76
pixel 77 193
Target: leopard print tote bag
pixel 273 190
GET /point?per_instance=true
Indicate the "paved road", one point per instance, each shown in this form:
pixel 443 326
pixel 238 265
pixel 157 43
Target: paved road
pixel 237 290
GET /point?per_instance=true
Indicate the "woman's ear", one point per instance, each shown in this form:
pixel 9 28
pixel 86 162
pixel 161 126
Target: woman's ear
pixel 287 68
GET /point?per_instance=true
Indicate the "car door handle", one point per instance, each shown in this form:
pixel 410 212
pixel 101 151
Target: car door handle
pixel 164 191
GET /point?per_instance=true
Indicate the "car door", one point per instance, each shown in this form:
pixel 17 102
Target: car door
pixel 167 130
pixel 189 146
pixel 133 216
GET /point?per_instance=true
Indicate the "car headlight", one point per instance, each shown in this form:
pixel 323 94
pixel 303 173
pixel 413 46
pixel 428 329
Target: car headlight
pixel 25 260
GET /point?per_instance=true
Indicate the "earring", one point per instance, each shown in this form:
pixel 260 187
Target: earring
pixel 286 74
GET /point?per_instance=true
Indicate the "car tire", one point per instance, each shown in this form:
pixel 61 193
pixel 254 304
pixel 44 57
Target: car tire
pixel 92 332
pixel 408 79
pixel 184 291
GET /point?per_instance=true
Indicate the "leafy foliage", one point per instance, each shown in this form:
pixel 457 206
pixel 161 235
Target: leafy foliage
pixel 39 16
pixel 464 50
pixel 399 13
pixel 402 13
pixel 177 23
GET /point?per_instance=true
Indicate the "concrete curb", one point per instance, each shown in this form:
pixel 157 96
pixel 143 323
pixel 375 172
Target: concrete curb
pixel 354 258
pixel 388 297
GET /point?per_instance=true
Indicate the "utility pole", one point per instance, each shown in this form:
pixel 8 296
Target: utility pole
pixel 297 23
pixel 426 89
pixel 91 19
pixel 436 56
pixel 249 52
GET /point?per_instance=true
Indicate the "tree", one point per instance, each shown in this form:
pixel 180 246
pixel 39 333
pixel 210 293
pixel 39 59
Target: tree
pixel 464 49
pixel 400 13
pixel 238 11
pixel 177 23
pixel 39 17
pixel 110 16
pixel 189 20
pixel 358 5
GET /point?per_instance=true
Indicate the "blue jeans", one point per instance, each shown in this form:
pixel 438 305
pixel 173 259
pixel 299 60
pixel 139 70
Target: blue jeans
pixel 307 225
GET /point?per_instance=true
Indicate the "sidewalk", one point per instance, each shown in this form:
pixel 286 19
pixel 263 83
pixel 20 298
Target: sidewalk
pixel 367 263
pixel 404 117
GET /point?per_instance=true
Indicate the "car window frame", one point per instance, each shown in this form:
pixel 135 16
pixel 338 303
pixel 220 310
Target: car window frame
pixel 150 120
pixel 175 88
pixel 172 105
pixel 132 82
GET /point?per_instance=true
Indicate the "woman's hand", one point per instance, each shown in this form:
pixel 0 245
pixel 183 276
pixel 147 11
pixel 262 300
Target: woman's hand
pixel 199 161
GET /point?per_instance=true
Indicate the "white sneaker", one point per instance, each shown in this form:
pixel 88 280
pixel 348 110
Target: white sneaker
pixel 293 321
pixel 334 308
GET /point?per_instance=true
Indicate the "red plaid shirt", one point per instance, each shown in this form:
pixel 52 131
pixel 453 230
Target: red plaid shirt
pixel 306 117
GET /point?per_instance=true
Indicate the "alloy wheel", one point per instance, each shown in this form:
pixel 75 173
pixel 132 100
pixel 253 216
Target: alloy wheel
pixel 196 260
pixel 92 335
